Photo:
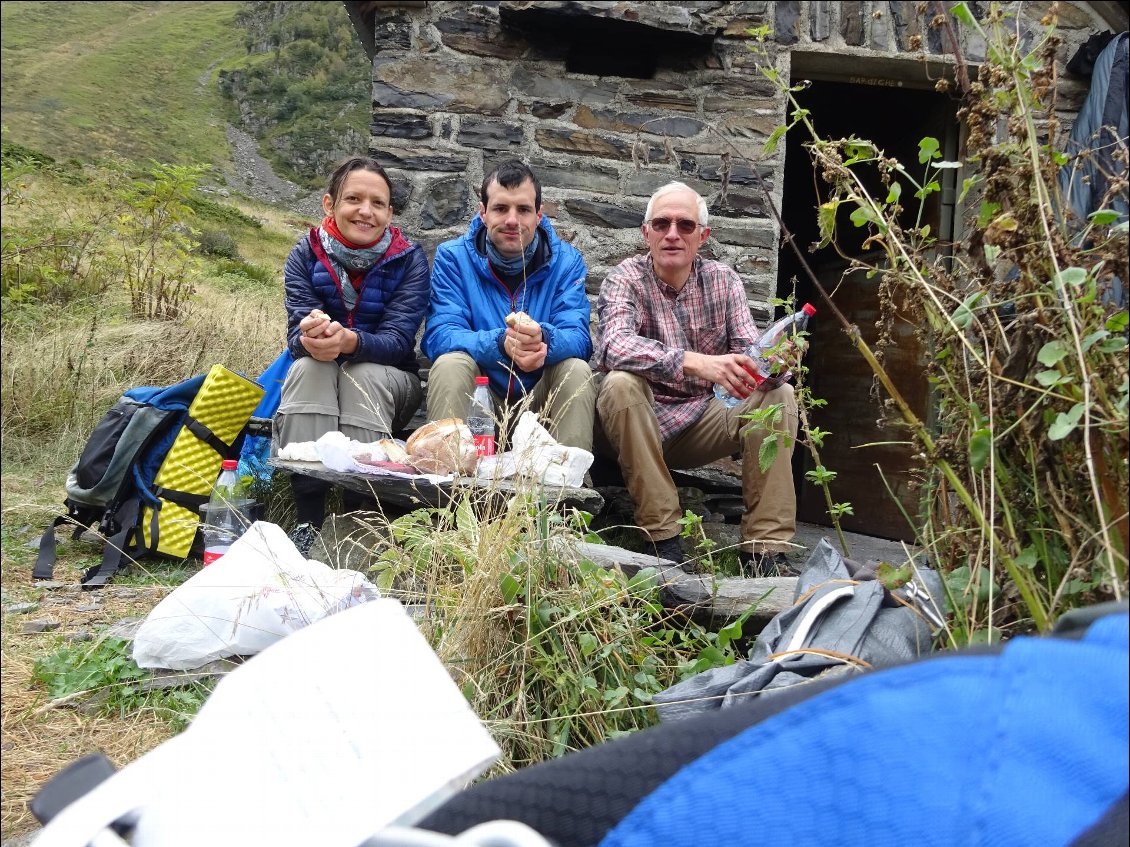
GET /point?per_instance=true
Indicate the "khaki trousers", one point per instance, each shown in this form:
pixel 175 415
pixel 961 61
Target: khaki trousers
pixel 565 394
pixel 629 431
pixel 363 400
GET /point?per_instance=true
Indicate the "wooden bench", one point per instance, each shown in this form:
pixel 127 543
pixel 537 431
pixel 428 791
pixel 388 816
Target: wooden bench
pixel 418 493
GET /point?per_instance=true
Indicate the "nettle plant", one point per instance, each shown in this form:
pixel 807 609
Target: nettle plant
pixel 1025 469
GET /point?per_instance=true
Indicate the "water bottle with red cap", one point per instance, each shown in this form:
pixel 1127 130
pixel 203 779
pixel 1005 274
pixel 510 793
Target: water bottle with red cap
pixel 765 364
pixel 227 513
pixel 480 417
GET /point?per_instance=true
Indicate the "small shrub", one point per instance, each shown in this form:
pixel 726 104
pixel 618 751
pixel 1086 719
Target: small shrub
pixel 216 242
pixel 210 210
pixel 234 274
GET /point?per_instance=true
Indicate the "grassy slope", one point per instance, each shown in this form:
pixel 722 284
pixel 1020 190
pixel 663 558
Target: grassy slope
pixel 135 79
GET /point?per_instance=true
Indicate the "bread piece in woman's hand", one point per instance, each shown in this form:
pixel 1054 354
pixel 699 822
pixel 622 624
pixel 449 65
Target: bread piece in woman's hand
pixel 515 318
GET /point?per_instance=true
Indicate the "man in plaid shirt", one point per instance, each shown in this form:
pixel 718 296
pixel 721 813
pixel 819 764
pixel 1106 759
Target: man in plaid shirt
pixel 671 326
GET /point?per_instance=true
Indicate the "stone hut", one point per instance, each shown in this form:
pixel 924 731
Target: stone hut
pixel 609 100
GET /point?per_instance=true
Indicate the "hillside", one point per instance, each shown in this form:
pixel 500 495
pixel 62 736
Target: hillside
pixel 133 80
pixel 177 82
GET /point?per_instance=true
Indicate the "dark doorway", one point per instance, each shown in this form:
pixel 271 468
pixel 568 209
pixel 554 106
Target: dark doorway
pixel 868 446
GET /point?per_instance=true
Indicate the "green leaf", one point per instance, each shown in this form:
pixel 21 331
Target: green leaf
pixel 895 191
pixel 987 212
pixel 929 188
pixel 820 475
pixel 773 140
pixel 1065 423
pixel 966 185
pixel 928 149
pixel 615 695
pixel 588 643
pixel 817 435
pixel 1051 378
pixel 1051 353
pixel 980 446
pixel 767 454
pixel 1092 339
pixel 1071 276
pixel 510 588
pixel 1118 321
pixel 858 150
pixel 1112 345
pixel 729 633
pixel 963 314
pixel 862 215
pixel 826 219
pixel 1028 558
pixel 962 13
pixel 1103 217
pixel 991 252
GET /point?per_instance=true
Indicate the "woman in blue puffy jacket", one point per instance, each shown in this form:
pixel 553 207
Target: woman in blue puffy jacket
pixel 356 293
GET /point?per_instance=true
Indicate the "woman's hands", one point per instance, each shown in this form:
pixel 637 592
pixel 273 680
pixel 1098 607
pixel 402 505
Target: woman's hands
pixel 326 339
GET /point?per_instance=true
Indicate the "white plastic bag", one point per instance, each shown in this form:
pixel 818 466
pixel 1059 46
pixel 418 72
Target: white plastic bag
pixel 535 454
pixel 261 590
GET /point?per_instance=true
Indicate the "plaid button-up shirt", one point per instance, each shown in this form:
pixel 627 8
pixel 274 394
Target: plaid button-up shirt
pixel 645 326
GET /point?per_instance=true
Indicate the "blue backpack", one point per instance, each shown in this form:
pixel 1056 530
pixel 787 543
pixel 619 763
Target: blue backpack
pixel 112 481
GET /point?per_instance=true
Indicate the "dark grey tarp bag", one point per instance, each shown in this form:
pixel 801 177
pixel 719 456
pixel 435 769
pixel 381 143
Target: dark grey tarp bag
pixel 843 621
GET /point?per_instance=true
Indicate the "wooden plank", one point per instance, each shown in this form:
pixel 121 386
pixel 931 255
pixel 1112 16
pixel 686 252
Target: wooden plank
pixel 418 493
pixel 719 600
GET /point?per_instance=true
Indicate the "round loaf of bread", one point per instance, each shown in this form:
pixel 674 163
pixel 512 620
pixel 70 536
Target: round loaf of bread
pixel 443 447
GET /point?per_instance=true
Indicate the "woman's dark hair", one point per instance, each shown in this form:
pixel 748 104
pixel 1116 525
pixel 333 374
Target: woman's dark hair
pixel 348 166
pixel 511 174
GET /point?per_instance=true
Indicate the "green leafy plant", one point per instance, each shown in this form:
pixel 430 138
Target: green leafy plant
pixel 155 243
pixel 1025 503
pixel 105 674
pixel 552 651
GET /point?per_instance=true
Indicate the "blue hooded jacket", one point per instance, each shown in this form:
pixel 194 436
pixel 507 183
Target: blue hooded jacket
pixel 390 305
pixel 469 306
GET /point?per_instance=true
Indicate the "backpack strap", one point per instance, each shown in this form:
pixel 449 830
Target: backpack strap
pixel 206 435
pixel 45 561
pixel 117 546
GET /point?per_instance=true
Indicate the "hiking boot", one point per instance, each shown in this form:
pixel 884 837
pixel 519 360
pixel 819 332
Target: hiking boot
pixel 764 563
pixel 303 537
pixel 670 549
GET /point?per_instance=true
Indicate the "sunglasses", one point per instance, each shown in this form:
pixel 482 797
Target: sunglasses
pixel 683 225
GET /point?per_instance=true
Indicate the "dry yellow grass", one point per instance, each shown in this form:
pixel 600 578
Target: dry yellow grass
pixel 60 369
pixel 39 740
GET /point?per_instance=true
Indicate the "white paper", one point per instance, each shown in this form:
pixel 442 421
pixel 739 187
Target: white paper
pixel 324 738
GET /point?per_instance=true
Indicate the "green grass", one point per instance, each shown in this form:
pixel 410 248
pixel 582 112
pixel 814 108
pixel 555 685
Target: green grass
pixel 134 79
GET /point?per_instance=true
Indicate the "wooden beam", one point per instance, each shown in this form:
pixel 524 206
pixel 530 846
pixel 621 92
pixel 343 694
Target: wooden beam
pixel 420 493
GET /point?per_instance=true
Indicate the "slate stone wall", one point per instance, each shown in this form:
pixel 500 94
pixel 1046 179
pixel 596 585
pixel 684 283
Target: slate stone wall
pixel 459 86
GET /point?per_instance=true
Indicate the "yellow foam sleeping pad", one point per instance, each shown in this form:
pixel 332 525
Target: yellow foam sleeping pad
pixel 215 419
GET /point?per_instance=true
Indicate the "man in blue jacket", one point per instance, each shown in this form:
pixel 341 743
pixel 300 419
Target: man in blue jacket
pixel 508 302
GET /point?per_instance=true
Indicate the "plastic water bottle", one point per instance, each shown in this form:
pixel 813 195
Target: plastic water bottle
pixel 480 417
pixel 759 351
pixel 227 513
